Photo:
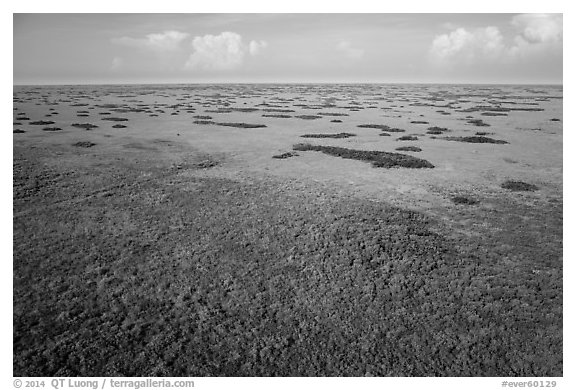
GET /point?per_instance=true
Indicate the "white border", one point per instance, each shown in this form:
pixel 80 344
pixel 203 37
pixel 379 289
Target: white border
pixel 303 6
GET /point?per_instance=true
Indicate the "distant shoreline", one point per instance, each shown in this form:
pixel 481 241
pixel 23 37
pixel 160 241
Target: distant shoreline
pixel 288 83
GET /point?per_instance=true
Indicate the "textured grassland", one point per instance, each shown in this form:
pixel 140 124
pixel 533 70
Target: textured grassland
pixel 167 274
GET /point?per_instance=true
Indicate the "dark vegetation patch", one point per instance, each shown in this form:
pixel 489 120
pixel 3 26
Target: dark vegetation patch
pixel 464 200
pixel 85 126
pixel 285 155
pixel 16 124
pixel 554 120
pixel 518 186
pixel 308 116
pixel 220 111
pixel 82 115
pixel 23 118
pixel 277 110
pixel 337 135
pixel 384 134
pixel 84 144
pixel 533 109
pixel 377 158
pixel 333 114
pixel 419 122
pixel 494 114
pixel 204 122
pixel 18 131
pixel 245 109
pixel 241 125
pixel 407 138
pixel 205 117
pixel 336 121
pixel 382 127
pixel 476 140
pixel 409 149
pixel 115 119
pixel 436 130
pixel 42 123
pixel 119 126
pixel 205 164
pixel 477 122
pixel 277 116
pixel 482 133
pixel 51 129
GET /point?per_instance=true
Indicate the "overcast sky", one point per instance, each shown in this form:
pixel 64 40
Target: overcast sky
pixel 186 48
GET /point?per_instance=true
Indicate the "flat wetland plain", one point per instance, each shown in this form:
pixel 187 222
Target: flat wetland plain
pixel 287 230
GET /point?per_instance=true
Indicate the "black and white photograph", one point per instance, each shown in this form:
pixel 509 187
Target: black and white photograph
pixel 287 195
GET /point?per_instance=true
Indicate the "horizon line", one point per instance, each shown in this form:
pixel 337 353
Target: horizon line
pixel 286 82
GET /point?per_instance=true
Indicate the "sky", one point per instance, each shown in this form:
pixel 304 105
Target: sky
pixel 284 48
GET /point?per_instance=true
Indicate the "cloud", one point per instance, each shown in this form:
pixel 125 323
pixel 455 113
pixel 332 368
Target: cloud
pixel 468 46
pixel 349 51
pixel 537 36
pixel 254 47
pixel 221 52
pixel 539 28
pixel 166 41
pixel 117 63
pixel 209 52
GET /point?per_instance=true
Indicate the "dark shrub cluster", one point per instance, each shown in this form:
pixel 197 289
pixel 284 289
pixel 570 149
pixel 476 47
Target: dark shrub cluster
pixel 477 122
pixel 518 186
pixel 115 119
pixel 464 200
pixel 308 117
pixel 338 135
pixel 42 123
pixel 84 144
pixel 435 130
pixel 476 140
pixel 276 116
pixel 382 127
pixel 333 114
pixel 241 125
pixel 85 126
pixel 377 158
pixel 285 155
pixel 409 149
pixel 407 138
